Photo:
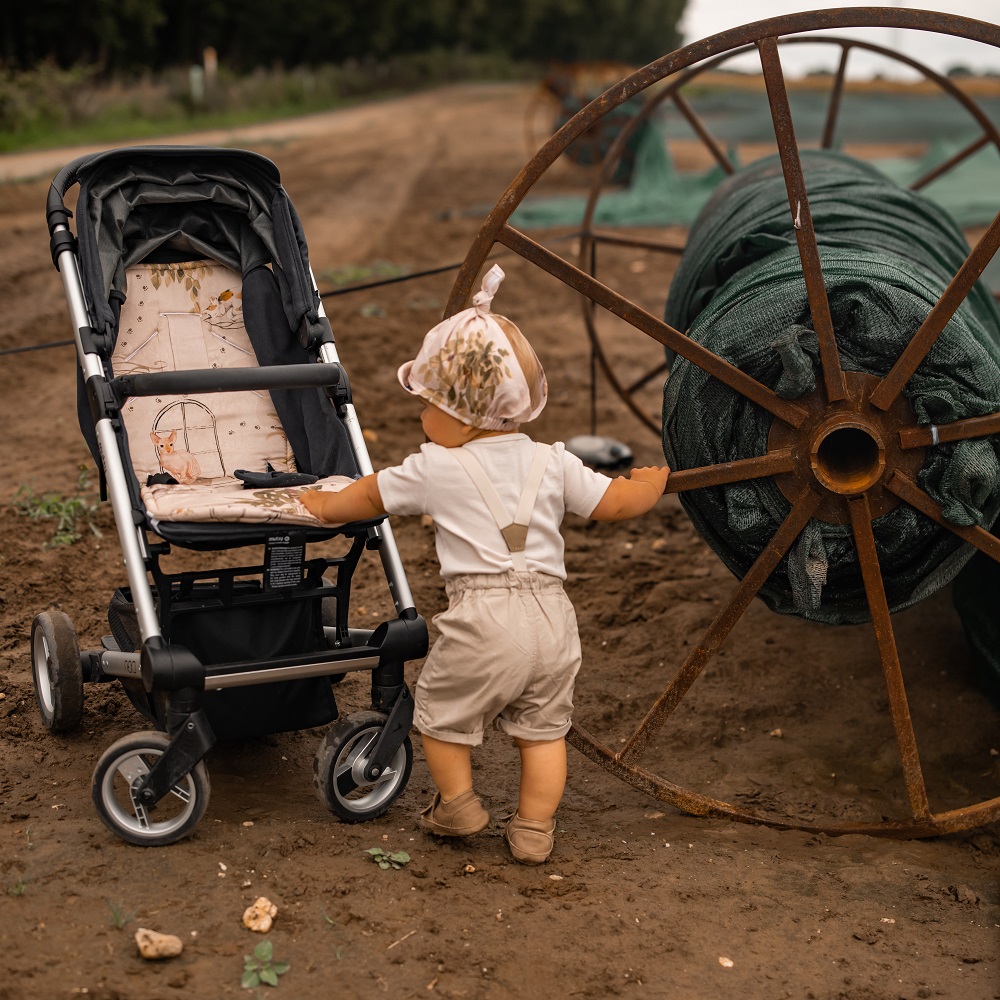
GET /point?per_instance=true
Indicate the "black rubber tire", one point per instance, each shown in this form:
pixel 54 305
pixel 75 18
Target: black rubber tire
pixel 338 760
pixel 133 753
pixel 56 671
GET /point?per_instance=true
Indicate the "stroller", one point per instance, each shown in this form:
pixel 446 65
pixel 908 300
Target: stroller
pixel 211 394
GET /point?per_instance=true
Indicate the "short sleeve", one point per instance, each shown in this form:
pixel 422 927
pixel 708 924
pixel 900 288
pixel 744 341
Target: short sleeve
pixel 583 488
pixel 403 488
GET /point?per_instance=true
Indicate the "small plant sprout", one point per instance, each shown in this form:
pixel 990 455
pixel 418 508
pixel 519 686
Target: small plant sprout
pixel 119 917
pixel 27 838
pixel 388 859
pixel 20 887
pixel 67 512
pixel 260 967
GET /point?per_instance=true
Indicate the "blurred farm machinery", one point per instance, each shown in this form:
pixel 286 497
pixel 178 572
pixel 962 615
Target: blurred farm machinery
pixel 832 410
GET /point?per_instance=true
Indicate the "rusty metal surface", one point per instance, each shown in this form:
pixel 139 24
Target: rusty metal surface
pixel 845 454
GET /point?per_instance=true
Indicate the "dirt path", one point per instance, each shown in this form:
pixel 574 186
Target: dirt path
pixel 638 900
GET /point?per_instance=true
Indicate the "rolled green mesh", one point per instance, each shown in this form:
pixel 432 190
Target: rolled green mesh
pixel 887 255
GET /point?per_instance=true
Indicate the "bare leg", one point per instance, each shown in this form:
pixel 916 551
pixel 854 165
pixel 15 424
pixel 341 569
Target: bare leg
pixel 450 765
pixel 543 778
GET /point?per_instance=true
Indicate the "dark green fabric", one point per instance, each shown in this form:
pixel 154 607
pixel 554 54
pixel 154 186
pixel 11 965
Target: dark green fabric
pixel 887 255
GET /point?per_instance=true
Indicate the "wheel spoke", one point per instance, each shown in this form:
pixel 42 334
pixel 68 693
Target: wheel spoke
pixel 950 163
pixel 878 606
pixel 909 492
pixel 648 377
pixel 805 235
pixel 702 132
pixel 957 430
pixel 937 319
pixel 648 324
pixel 833 109
pixel 772 464
pixel 756 577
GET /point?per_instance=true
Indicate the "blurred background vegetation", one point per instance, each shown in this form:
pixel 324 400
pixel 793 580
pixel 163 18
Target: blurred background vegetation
pixel 108 69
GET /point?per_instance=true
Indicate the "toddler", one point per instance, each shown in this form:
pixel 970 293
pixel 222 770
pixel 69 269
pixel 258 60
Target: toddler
pixel 508 650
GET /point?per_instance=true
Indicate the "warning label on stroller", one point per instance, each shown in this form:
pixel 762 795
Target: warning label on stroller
pixel 283 561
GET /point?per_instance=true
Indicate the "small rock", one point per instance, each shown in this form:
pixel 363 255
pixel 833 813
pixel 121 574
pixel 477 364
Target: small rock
pixel 152 944
pixel 426 521
pixel 369 435
pixel 776 733
pixel 659 545
pixel 726 963
pixel 260 915
pixel 469 869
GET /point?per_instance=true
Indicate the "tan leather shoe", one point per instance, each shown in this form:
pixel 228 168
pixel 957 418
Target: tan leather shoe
pixel 461 816
pixel 530 840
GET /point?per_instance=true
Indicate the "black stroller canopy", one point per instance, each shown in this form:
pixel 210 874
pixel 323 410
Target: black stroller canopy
pixel 182 202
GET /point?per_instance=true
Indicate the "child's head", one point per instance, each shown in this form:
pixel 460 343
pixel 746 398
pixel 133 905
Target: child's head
pixel 478 367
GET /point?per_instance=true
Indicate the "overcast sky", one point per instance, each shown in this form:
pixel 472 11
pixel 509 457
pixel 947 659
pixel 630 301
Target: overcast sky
pixel 940 52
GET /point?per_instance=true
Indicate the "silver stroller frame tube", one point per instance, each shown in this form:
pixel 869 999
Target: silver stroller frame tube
pixel 387 550
pixel 133 541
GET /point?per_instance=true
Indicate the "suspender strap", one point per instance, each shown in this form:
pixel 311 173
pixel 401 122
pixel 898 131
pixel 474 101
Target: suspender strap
pixel 515 532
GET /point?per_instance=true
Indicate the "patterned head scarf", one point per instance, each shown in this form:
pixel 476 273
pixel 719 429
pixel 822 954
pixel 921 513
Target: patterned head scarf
pixel 478 367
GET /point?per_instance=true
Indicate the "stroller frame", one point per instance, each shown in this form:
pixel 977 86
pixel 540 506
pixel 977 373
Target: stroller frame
pixel 364 761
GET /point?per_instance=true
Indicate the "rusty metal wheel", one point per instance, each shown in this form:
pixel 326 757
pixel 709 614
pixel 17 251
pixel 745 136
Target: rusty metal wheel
pixel 844 454
pixel 644 372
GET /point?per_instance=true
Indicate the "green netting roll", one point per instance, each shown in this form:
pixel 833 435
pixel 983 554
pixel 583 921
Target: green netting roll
pixel 887 255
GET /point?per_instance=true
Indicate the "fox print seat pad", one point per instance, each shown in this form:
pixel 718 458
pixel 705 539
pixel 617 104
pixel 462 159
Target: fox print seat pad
pixel 186 316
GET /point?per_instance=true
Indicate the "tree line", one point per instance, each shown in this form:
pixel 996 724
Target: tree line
pixel 123 36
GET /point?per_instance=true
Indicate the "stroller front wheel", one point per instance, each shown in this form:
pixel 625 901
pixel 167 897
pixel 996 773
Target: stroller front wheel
pixel 56 671
pixel 117 775
pixel 339 765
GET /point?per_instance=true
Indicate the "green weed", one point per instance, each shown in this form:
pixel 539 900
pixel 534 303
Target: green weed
pixel 119 918
pixel 388 859
pixel 260 967
pixel 67 512
pixel 20 887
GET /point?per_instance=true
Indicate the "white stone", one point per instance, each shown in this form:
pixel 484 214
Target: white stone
pixel 260 915
pixel 152 944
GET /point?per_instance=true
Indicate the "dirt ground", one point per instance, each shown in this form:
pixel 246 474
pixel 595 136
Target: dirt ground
pixel 789 717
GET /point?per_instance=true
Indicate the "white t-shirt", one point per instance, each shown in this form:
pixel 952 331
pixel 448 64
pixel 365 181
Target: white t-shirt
pixel 468 540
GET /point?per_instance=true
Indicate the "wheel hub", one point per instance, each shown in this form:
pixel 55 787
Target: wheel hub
pixel 847 456
pixel 847 448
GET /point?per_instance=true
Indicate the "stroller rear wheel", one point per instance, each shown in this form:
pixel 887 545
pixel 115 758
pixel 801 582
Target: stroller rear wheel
pixel 117 775
pixel 339 765
pixel 56 671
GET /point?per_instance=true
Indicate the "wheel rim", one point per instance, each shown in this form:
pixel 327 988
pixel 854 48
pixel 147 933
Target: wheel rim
pixel 352 790
pixel 803 450
pixel 591 238
pixel 41 659
pixel 117 794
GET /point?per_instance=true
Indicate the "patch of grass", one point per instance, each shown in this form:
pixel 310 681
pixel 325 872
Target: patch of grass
pixel 260 967
pixel 356 274
pixel 20 887
pixel 67 512
pixel 119 917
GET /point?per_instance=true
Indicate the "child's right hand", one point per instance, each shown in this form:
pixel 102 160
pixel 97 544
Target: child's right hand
pixel 654 475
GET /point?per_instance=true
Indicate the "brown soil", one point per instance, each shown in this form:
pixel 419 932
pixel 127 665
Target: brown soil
pixel 789 717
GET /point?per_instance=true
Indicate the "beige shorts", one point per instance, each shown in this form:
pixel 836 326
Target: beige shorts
pixel 508 651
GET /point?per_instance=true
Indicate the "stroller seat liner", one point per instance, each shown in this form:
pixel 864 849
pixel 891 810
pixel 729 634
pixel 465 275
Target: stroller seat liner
pixel 227 500
pixel 184 316
pixel 189 316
